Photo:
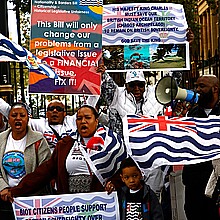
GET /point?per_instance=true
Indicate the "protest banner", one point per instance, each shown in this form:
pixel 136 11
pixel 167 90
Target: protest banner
pixel 82 206
pixel 147 36
pixel 66 35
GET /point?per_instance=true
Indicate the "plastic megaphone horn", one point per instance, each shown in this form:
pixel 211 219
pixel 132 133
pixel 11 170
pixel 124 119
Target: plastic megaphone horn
pixel 168 90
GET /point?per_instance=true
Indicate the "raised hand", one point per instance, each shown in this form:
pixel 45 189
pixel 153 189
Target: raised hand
pixel 190 35
pixel 109 187
pixel 101 69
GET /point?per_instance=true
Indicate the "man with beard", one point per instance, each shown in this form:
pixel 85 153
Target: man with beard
pixel 56 126
pixel 196 176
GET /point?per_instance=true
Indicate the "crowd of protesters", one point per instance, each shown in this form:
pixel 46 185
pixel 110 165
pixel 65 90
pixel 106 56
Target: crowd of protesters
pixel 51 151
pixel 72 132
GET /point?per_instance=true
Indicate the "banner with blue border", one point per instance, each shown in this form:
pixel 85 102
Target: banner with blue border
pixel 81 206
pixel 149 36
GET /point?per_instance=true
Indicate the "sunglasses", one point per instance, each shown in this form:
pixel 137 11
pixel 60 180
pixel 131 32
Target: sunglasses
pixel 138 84
pixel 58 108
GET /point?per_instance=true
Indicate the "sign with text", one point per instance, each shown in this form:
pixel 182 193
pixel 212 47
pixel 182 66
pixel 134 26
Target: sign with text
pixel 66 35
pixel 149 36
pixel 82 206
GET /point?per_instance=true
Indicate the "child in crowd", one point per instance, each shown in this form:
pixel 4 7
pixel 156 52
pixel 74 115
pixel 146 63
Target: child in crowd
pixel 136 199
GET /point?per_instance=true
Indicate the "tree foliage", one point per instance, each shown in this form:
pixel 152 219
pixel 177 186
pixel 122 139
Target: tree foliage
pixel 24 5
pixel 23 8
pixel 214 5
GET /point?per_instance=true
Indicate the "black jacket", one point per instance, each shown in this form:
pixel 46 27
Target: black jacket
pixel 199 173
pixel 151 208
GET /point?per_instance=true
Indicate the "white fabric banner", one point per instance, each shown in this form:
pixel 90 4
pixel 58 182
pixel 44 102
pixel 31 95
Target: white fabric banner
pixel 82 206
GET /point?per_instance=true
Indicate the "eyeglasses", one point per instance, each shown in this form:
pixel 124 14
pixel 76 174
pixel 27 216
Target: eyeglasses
pixel 58 108
pixel 138 84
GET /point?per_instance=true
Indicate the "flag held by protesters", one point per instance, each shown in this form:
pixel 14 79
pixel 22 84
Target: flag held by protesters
pixel 13 52
pixel 10 51
pixel 104 153
pixel 157 141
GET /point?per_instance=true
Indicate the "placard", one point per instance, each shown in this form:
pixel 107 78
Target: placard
pixel 67 35
pixel 148 36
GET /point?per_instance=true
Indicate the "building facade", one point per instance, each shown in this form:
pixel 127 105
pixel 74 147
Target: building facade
pixel 208 51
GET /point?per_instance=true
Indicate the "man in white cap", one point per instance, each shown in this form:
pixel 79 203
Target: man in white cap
pixel 134 98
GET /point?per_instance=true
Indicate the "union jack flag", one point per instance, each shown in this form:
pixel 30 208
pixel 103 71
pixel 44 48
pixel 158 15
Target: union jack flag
pixel 157 141
pixel 161 123
pixel 28 208
pixel 51 138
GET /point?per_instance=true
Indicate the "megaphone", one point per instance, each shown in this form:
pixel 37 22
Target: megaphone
pixel 168 90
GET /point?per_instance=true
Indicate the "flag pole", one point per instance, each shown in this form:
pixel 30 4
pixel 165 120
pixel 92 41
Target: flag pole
pixel 17 5
pixel 5 77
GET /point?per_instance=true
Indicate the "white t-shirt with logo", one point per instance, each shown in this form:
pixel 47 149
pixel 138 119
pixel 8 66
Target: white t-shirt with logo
pixel 75 162
pixel 13 160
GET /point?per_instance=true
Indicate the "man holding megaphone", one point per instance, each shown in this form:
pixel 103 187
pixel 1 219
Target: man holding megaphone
pixel 196 176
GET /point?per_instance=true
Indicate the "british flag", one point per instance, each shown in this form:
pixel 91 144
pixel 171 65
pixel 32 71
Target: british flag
pixel 161 123
pixel 157 141
pixel 28 208
pixel 51 138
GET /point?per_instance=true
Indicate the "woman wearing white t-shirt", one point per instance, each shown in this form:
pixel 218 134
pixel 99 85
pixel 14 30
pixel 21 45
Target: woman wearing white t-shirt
pixel 21 151
pixel 69 165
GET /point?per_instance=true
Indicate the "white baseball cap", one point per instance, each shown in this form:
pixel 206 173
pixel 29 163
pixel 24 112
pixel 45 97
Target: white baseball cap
pixel 135 75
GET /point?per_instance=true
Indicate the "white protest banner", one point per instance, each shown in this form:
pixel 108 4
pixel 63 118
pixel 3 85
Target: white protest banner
pixel 82 206
pixel 147 36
